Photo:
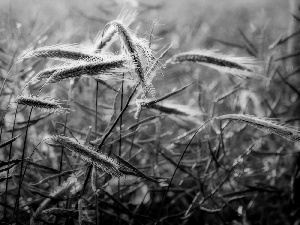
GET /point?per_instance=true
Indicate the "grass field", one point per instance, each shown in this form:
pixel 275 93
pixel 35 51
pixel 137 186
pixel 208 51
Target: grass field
pixel 168 112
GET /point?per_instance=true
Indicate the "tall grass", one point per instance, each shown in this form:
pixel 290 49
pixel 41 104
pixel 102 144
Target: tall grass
pixel 125 132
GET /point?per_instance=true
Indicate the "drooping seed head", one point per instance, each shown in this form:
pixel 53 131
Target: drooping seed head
pixel 110 35
pixel 238 66
pixel 48 103
pixel 136 48
pixel 126 37
pixel 108 68
pixel 283 130
pixel 65 52
pixel 90 155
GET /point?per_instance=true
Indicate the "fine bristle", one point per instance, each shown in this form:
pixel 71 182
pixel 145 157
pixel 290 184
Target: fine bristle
pixel 130 47
pixel 110 35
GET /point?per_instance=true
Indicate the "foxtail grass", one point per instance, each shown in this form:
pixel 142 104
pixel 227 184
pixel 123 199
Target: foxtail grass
pixel 134 46
pixel 107 68
pixel 90 155
pixel 267 125
pixel 102 41
pixel 243 67
pixel 65 52
pixel 47 104
pixel 127 40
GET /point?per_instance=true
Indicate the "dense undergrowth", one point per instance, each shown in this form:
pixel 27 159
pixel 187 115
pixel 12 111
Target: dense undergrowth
pixel 129 130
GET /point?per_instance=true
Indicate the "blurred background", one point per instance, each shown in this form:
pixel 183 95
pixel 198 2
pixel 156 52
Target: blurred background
pixel 79 21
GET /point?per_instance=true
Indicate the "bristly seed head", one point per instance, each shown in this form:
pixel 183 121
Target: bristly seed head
pixel 136 48
pixel 90 155
pixel 238 66
pixel 48 103
pixel 283 130
pixel 129 45
pixel 112 65
pixel 103 41
pixel 65 52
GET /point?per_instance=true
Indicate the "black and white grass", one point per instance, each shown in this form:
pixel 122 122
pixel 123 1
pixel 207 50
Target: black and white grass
pixel 71 185
pixel 138 49
pixel 104 39
pixel 66 52
pixel 242 67
pixel 90 155
pixel 109 69
pixel 47 103
pixel 270 126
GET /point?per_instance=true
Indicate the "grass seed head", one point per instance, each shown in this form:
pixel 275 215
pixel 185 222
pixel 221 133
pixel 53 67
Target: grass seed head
pixel 283 130
pixel 238 66
pixel 110 35
pixel 48 103
pixel 109 68
pixel 64 52
pixel 129 45
pixel 90 155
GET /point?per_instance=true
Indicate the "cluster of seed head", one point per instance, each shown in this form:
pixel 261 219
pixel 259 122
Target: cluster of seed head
pixel 80 61
pixel 83 61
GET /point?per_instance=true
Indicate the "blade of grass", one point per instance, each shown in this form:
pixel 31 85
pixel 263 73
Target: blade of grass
pixel 16 210
pixel 181 157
